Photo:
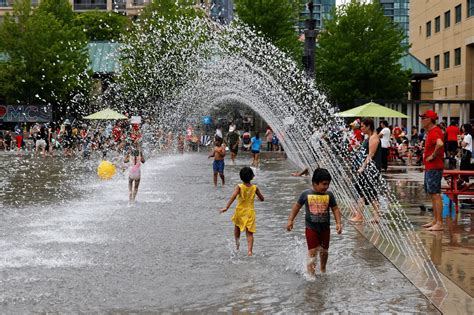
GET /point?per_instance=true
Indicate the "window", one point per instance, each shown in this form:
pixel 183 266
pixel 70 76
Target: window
pixel 470 8
pixel 446 60
pixel 457 56
pixel 458 13
pixel 437 24
pixel 428 29
pixel 445 91
pixel 428 63
pixel 457 90
pixel 436 63
pixel 447 19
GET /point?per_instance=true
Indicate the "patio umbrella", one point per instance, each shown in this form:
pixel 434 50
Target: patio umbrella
pixel 106 114
pixel 371 110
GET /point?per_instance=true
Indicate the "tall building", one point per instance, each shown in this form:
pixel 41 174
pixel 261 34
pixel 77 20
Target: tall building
pixel 442 35
pixel 398 11
pixel 322 10
pixel 126 7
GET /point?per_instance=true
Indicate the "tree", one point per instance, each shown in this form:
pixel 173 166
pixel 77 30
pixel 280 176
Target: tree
pixel 276 19
pixel 102 26
pixel 170 9
pixel 47 58
pixel 358 55
pixel 154 61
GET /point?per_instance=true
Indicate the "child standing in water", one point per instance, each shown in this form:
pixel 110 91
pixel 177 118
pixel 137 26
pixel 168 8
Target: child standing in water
pixel 134 175
pixel 218 153
pixel 317 201
pixel 244 216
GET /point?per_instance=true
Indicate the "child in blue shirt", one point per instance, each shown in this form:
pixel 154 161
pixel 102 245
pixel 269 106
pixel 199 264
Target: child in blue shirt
pixel 255 145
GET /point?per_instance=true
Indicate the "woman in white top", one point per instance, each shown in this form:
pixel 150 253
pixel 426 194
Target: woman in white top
pixel 466 145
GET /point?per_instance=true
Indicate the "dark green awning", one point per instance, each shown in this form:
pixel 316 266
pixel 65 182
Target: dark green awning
pixel 104 57
pixel 418 69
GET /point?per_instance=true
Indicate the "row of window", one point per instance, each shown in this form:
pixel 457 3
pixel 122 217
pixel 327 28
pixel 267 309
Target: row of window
pixel 447 18
pixel 446 56
pixel 82 4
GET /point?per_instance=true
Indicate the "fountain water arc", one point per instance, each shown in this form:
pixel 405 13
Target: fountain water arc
pixel 235 64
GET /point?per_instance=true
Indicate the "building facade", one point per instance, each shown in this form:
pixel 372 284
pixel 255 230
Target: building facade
pixel 442 35
pixel 126 7
pixel 398 11
pixel 322 10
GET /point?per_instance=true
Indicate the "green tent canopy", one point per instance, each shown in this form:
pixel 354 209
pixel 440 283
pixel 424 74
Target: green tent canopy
pixel 106 114
pixel 371 110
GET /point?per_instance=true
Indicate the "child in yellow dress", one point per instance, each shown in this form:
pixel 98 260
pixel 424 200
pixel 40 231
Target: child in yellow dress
pixel 244 216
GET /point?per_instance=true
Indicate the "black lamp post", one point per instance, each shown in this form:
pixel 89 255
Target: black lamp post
pixel 310 34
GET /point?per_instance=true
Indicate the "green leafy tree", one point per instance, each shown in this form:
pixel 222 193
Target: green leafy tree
pixel 358 55
pixel 102 26
pixel 150 42
pixel 276 19
pixel 170 10
pixel 47 59
pixel 60 9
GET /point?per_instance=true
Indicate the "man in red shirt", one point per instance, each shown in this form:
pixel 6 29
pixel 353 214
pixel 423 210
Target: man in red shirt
pixel 434 164
pixel 452 133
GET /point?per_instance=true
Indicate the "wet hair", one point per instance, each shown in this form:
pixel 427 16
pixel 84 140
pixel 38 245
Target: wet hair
pixel 384 122
pixel 467 128
pixel 321 174
pixel 246 174
pixel 218 141
pixel 368 122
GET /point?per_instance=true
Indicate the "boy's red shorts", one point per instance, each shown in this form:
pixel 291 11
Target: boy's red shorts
pixel 315 238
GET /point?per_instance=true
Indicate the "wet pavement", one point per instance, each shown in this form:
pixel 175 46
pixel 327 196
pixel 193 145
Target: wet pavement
pixel 71 243
pixel 452 250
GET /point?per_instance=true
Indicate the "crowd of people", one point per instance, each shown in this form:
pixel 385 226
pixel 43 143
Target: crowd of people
pixel 407 147
pixel 436 145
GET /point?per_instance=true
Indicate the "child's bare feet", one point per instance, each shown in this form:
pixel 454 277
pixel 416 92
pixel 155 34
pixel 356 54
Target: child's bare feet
pixel 357 218
pixel 436 227
pixel 427 225
pixel 249 254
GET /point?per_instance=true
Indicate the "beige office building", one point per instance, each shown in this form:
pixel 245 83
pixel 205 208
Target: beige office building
pixel 442 35
pixel 126 7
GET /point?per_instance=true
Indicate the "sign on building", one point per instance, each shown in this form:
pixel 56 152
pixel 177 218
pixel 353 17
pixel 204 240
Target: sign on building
pixel 25 113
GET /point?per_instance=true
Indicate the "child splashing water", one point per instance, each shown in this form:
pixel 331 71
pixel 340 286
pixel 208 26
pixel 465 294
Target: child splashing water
pixel 135 158
pixel 317 201
pixel 244 216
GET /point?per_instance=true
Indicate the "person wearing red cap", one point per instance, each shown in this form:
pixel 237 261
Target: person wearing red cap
pixel 434 164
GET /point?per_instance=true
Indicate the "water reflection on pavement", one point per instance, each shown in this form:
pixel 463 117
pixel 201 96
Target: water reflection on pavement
pixel 71 243
pixel 451 250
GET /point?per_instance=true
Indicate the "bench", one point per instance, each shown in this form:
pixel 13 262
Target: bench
pixel 453 190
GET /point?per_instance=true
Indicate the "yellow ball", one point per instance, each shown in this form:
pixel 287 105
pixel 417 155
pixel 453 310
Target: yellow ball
pixel 106 170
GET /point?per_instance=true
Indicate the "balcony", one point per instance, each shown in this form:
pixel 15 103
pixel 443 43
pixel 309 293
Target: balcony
pixel 5 3
pixel 80 5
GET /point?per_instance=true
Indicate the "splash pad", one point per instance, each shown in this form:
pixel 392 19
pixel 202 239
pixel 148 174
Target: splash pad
pixel 214 65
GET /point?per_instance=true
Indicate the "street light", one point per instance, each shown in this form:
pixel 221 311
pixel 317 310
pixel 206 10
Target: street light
pixel 310 34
